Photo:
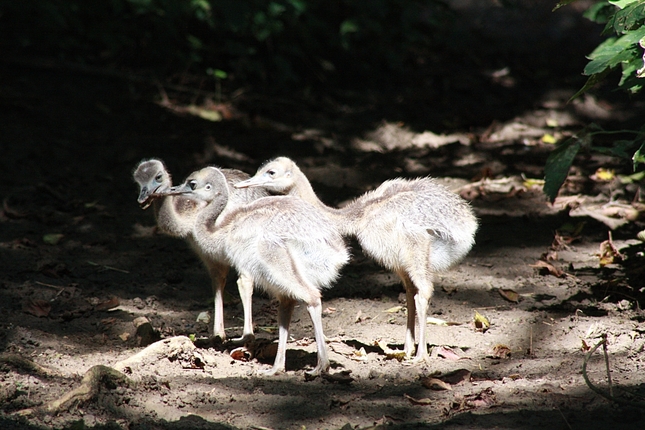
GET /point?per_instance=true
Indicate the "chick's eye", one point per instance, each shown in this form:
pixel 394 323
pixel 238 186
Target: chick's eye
pixel 159 177
pixel 192 184
pixel 208 187
pixel 271 173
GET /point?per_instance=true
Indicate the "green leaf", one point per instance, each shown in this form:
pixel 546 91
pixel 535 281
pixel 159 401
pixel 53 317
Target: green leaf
pixel 591 82
pixel 611 53
pixel 562 3
pixel 194 42
pixel 348 26
pixel 621 4
pixel 300 6
pixel 52 238
pixel 630 18
pixel 217 73
pixel 639 156
pixel 558 164
pixel 619 148
pixel 600 12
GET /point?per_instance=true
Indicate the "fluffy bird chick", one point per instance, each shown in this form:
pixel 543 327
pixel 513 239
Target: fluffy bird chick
pixel 176 215
pixel 413 227
pixel 283 243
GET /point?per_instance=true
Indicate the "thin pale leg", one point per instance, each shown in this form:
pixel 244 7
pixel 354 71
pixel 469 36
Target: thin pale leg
pixel 218 273
pixel 421 277
pixel 285 312
pixel 410 291
pixel 245 287
pixel 422 300
pixel 315 312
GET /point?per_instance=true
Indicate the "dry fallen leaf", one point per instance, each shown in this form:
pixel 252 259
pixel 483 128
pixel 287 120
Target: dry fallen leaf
pixel 481 322
pixel 550 255
pixel 421 402
pixel 241 354
pixel 305 341
pixel 440 322
pixel 548 138
pixel 342 377
pixel 477 400
pixel 39 308
pixel 108 321
pixel 482 399
pixel 342 348
pixel 434 383
pixel 603 175
pixel 360 355
pixel 501 351
pixel 509 295
pixel 456 377
pixel 530 182
pixel 447 353
pixel 390 353
pixel 437 321
pixel 113 302
pixel 548 268
pixel 609 253
pixel 394 310
pixel 264 350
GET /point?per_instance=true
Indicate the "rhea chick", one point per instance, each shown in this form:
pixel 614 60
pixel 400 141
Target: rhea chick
pixel 176 216
pixel 283 243
pixel 413 227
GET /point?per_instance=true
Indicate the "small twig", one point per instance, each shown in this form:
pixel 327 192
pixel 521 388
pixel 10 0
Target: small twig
pixel 599 391
pixel 107 267
pixel 60 289
pixel 604 348
pixel 49 285
pixel 564 418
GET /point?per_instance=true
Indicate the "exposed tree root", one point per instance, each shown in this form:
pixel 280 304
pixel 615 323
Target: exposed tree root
pixel 85 392
pixel 178 348
pixel 610 394
pixel 18 361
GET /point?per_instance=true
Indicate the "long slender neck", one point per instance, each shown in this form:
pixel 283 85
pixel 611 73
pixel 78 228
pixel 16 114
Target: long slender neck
pixel 341 217
pixel 207 226
pixel 176 215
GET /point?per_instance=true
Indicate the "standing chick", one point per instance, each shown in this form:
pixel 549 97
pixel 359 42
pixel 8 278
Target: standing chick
pixel 414 227
pixel 283 243
pixel 176 216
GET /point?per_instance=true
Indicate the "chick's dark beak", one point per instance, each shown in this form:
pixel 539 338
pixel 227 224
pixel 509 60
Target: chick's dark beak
pixel 180 189
pixel 256 181
pixel 144 195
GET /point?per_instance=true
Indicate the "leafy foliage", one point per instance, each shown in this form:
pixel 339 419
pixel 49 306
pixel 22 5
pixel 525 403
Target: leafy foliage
pixel 562 157
pixel 624 20
pixel 275 43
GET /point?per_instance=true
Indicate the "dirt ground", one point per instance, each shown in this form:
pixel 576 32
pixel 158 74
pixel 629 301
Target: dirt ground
pixel 81 263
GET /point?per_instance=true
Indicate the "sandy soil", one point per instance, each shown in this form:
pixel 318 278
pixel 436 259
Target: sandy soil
pixel 81 262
